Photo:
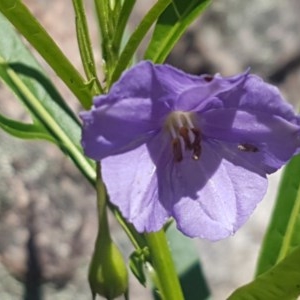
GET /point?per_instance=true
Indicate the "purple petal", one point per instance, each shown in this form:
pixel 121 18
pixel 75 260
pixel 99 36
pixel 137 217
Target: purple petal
pixel 259 96
pixel 203 95
pixel 125 118
pixel 132 183
pixel 187 92
pixel 215 196
pixel 274 139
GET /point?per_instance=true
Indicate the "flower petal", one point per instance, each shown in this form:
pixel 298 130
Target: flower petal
pixel 203 95
pixel 126 117
pixel 272 138
pixel 215 196
pixel 132 184
pixel 185 92
pixel 258 96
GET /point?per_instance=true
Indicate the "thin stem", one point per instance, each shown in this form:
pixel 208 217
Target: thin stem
pixel 163 264
pixel 115 9
pixel 85 47
pixel 105 22
pixel 19 15
pixel 137 240
pixel 101 205
pixel 136 38
pixel 53 127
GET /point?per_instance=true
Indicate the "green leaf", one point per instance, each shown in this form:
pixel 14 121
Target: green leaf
pixel 122 22
pixel 280 282
pixel 188 266
pixel 23 130
pixel 23 20
pixel 171 25
pixel 282 235
pixel 23 75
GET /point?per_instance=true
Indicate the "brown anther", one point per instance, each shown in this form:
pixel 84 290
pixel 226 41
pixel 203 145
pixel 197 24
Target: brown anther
pixel 247 148
pixel 184 133
pixel 177 152
pixel 185 137
pixel 196 146
pixel 197 151
pixel 208 78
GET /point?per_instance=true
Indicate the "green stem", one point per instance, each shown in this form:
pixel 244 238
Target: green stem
pixel 163 265
pixel 137 240
pixel 136 38
pixel 85 47
pixel 105 22
pixel 19 15
pixel 115 10
pixel 101 205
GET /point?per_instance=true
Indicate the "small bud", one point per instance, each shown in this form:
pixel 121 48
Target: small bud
pixel 108 274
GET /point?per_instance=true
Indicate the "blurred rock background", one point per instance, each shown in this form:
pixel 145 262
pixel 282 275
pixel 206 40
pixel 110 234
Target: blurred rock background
pixel 46 207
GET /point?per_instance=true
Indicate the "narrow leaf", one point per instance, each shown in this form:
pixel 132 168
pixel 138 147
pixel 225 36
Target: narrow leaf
pixel 171 25
pixel 19 15
pixel 122 21
pixel 23 75
pixel 280 282
pixel 23 130
pixel 136 38
pixel 282 235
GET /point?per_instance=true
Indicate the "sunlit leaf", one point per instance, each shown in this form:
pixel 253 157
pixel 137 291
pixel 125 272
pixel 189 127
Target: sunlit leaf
pixel 171 25
pixel 283 233
pixel 279 282
pixel 25 22
pixel 137 36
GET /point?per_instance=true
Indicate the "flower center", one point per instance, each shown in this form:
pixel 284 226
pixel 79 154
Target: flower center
pixel 185 135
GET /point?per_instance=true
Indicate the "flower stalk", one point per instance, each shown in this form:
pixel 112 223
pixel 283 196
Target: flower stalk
pixel 85 47
pixel 107 273
pixel 162 262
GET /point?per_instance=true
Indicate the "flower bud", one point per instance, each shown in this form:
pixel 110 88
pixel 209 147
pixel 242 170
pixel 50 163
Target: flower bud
pixel 107 274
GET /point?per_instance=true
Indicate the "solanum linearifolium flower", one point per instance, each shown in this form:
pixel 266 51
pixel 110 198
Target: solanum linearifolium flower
pixel 195 148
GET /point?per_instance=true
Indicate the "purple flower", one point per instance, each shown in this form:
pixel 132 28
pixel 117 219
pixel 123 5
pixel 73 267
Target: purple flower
pixel 195 148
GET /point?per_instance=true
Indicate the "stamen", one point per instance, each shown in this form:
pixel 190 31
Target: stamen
pixel 185 136
pixel 197 149
pixel 184 133
pixel 177 152
pixel 173 133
